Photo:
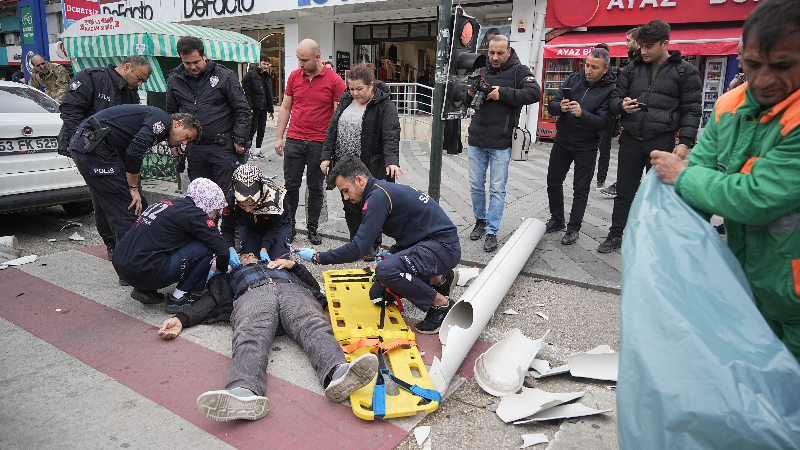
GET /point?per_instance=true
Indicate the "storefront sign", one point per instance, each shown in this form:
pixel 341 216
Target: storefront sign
pixel 594 13
pixel 100 24
pixel 26 16
pixel 140 10
pixel 75 10
pixel 215 8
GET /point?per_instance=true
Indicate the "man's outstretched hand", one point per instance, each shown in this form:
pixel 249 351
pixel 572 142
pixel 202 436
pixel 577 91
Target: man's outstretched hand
pixel 170 329
pixel 306 253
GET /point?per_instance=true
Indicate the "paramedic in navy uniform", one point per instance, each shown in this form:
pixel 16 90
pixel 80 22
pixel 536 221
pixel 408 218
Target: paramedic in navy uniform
pixel 420 265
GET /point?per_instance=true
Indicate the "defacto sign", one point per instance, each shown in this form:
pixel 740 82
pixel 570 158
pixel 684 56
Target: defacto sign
pixel 594 13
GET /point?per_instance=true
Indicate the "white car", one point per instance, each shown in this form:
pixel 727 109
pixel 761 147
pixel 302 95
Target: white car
pixel 32 173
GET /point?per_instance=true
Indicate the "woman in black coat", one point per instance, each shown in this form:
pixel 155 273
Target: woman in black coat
pixel 365 124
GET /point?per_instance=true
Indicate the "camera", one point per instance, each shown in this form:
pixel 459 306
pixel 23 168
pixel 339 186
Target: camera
pixel 481 90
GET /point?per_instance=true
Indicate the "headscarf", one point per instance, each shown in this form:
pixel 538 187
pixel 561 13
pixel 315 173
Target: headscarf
pixel 206 195
pixel 249 184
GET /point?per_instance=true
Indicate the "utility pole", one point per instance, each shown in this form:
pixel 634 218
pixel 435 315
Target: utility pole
pixel 440 77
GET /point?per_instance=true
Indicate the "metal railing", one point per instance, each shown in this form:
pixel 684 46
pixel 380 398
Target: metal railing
pixel 414 106
pixel 159 164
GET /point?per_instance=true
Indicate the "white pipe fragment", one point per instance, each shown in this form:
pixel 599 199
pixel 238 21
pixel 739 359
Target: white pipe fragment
pixel 421 433
pixel 501 370
pixel 536 373
pixel 531 401
pixel 562 412
pixel 474 309
pixel 463 276
pixel 18 261
pixel 533 439
pixel 600 363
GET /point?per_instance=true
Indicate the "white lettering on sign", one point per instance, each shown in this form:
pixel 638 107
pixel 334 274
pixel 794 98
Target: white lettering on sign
pixel 579 52
pixel 719 2
pixel 654 3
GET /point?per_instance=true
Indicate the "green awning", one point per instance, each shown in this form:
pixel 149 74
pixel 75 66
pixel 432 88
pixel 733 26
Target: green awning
pixel 98 40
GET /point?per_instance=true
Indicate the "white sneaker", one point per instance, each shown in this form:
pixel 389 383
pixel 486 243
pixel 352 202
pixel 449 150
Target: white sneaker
pixel 256 152
pixel 225 405
pixel 359 374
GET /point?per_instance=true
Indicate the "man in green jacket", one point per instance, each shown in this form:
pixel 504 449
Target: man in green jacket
pixel 746 166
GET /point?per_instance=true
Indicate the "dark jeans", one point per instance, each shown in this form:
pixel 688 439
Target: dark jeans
pixel 299 156
pixel 408 273
pixel 634 155
pixel 259 125
pixel 104 173
pixel 255 319
pixel 605 153
pixel 188 266
pixel 212 161
pixel 274 240
pixel 561 158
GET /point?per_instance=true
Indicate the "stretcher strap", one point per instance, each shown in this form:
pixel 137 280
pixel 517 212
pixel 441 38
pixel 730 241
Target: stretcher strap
pixel 363 342
pixel 379 393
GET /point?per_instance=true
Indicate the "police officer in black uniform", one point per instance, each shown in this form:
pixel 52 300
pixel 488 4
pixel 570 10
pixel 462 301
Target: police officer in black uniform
pixel 108 149
pixel 91 91
pixel 213 94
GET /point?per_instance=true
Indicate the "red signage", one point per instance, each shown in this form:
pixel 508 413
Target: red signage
pixel 78 9
pixel 603 13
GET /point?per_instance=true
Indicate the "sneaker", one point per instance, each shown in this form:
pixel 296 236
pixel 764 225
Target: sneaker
pixel 600 185
pixel 490 244
pixel 610 191
pixel 176 305
pixel 434 318
pixel 478 231
pixel 554 225
pixel 147 297
pixel 447 282
pixel 372 253
pixel 359 373
pixel 570 237
pixel 314 237
pixel 611 243
pixel 231 405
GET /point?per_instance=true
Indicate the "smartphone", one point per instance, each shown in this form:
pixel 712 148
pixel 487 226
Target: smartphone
pixel 642 106
pixel 567 93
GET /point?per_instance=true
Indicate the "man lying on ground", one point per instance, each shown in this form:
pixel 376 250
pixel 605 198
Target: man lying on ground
pixel 268 295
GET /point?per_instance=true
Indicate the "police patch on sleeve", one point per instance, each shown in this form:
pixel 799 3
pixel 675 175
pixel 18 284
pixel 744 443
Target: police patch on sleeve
pixel 214 80
pixel 530 79
pixel 74 85
pixel 158 127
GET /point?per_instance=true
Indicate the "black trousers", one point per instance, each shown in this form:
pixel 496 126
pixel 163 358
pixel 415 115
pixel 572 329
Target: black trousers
pixel 452 137
pixel 634 155
pixel 605 153
pixel 353 213
pixel 104 173
pixel 212 161
pixel 561 158
pixel 258 126
pixel 100 219
pixel 300 156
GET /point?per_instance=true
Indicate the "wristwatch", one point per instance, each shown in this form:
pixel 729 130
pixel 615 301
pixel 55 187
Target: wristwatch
pixel 130 188
pixel 315 258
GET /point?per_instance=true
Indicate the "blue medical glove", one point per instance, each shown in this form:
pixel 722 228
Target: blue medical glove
pixel 306 253
pixel 234 260
pixel 265 257
pixel 382 255
pixel 211 273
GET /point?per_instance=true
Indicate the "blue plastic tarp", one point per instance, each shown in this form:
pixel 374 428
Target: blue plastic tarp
pixel 699 366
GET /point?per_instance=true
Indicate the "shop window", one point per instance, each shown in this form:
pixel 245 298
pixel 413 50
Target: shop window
pixel 380 32
pixel 362 32
pixel 420 29
pixel 399 30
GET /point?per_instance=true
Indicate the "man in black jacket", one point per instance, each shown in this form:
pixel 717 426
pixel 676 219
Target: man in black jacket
pixel 581 120
pixel 657 95
pixel 212 93
pixel 91 91
pixel 513 86
pixel 267 295
pixel 257 84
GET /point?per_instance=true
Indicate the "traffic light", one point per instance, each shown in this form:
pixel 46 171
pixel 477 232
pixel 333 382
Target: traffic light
pixel 463 62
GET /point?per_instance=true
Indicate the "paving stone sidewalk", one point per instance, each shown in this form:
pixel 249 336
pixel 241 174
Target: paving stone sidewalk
pixel 526 196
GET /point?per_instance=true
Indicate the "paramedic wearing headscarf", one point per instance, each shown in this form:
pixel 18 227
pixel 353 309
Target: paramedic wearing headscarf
pixel 258 206
pixel 174 241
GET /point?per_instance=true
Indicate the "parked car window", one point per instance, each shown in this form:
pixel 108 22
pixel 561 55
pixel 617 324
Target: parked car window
pixel 26 100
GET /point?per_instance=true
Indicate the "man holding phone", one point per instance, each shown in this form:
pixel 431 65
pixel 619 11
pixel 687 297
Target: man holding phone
pixel 652 110
pixel 582 108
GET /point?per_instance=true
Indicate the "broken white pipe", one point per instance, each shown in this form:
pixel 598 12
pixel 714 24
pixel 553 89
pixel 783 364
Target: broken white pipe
pixel 469 316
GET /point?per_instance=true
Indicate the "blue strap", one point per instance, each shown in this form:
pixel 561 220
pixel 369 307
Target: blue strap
pixel 379 394
pixel 427 394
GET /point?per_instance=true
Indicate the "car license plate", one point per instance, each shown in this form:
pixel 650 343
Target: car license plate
pixel 25 145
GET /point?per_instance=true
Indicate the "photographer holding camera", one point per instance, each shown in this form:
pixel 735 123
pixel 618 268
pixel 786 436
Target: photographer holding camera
pixel 507 86
pixel 658 94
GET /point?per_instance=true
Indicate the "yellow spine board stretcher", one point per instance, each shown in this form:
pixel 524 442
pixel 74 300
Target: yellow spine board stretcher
pixel 354 317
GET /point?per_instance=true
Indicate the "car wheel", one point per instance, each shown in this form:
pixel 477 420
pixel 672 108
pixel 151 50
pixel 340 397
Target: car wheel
pixel 78 208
